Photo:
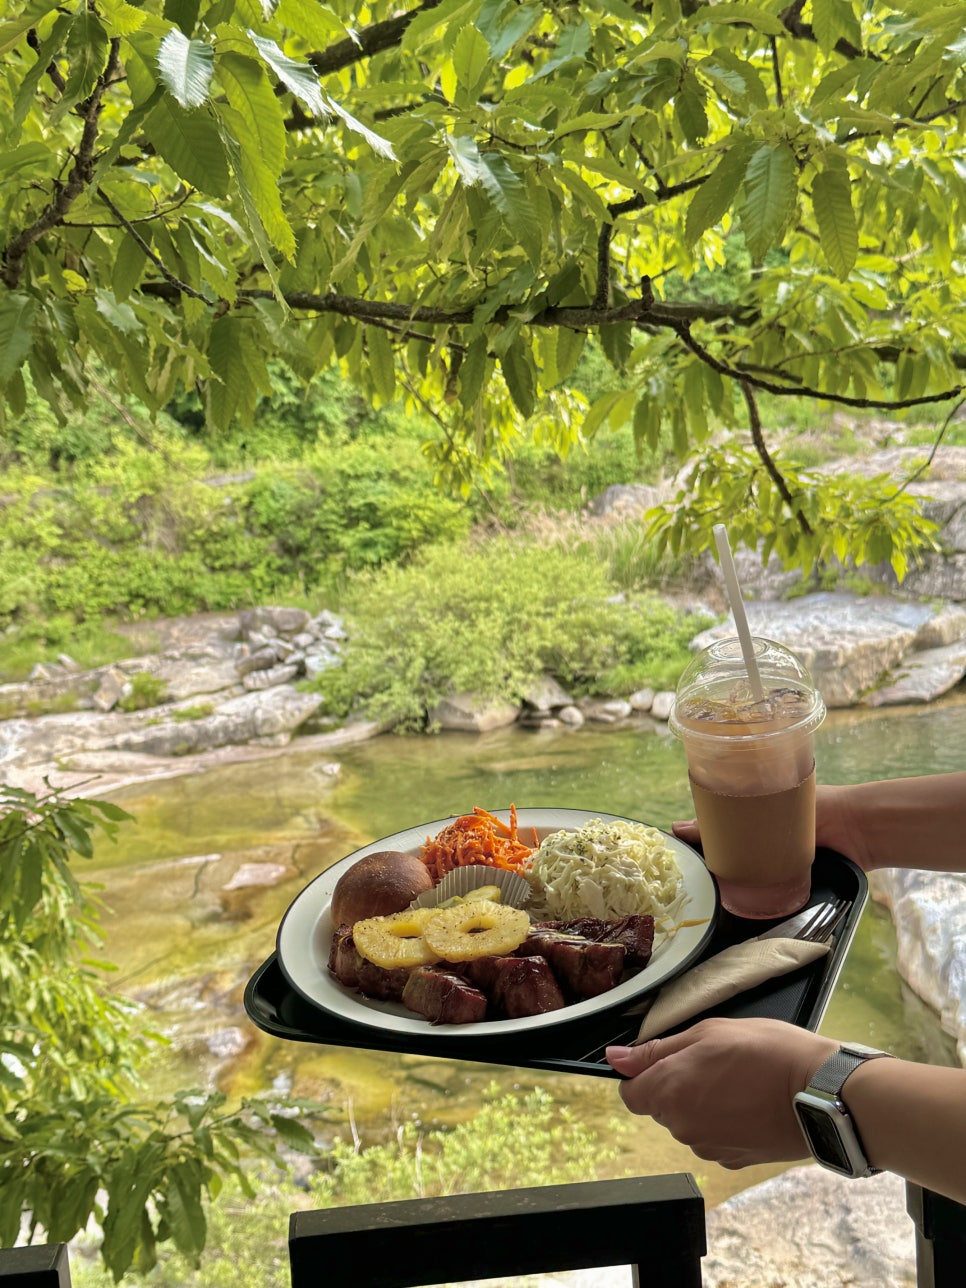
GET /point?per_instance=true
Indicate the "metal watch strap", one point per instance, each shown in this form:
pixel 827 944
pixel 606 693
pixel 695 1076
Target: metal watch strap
pixel 831 1075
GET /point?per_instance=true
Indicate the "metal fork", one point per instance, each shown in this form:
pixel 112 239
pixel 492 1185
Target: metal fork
pixel 818 928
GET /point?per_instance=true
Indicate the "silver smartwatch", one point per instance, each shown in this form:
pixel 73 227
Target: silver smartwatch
pixel 825 1122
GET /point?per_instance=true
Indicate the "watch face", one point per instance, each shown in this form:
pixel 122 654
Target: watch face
pixel 823 1137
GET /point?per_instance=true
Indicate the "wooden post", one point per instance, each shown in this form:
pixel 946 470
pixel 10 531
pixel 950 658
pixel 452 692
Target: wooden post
pixel 655 1224
pixel 43 1266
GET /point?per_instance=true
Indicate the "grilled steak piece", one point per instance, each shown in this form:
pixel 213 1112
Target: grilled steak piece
pixel 635 932
pixel 442 997
pixel 515 986
pixel 352 970
pixel 558 962
pixel 582 967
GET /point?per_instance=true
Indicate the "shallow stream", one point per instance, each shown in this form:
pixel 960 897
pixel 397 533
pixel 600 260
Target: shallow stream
pixel 196 887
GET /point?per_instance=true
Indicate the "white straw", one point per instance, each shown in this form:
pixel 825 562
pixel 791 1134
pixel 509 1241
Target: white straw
pixel 738 608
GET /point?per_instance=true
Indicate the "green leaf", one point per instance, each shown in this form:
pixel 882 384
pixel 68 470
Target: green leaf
pixel 129 264
pixel 382 147
pixel 471 63
pixel 734 78
pixel 121 18
pixel 235 365
pixel 517 367
pixel 714 198
pixel 315 23
pixel 111 811
pixel 689 108
pixel 28 158
pixel 12 32
pixel 248 91
pixel 586 121
pixel 295 1134
pixel 183 1208
pixel 120 316
pixel 191 145
pixel 382 365
pixel 31 82
pixel 750 15
pixel 473 371
pixel 186 67
pixel 300 79
pixel 505 25
pixel 769 196
pixel 258 187
pixel 18 314
pixel 832 204
pixel 569 347
pixel 183 13
pixel 833 20
pixel 647 422
pixel 86 52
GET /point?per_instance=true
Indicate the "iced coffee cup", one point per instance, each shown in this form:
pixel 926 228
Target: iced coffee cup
pixel 751 763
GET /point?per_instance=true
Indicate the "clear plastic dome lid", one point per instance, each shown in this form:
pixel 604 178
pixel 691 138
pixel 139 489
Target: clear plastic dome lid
pixel 715 687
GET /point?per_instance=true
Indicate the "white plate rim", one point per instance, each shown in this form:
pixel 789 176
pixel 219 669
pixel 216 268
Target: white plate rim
pixel 305 935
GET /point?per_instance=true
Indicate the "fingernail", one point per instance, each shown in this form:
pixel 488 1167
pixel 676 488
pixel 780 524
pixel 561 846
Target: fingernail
pixel 617 1052
pixel 685 822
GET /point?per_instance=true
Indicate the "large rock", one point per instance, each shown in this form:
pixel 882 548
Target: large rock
pixel 472 714
pixel 923 676
pixel 546 694
pixel 274 620
pixel 850 644
pixel 929 911
pixel 808 1228
pixel 940 576
pixel 626 500
pixel 803 1229
pixel 269 714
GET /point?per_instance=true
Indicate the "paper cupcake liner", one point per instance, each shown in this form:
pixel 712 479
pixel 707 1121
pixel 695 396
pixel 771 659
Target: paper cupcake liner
pixel 514 889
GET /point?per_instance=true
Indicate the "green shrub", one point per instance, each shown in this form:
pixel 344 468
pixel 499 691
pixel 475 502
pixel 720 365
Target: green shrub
pixel 140 531
pixel 488 620
pixel 147 690
pixel 523 1140
pixel 90 643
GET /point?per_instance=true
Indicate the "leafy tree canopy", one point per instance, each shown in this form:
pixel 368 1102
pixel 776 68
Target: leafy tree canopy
pixel 448 197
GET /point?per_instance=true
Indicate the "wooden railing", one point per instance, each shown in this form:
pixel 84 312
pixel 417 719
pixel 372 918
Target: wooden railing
pixel 655 1224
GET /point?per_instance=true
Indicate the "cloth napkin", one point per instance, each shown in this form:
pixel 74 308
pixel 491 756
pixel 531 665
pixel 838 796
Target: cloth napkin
pixel 723 976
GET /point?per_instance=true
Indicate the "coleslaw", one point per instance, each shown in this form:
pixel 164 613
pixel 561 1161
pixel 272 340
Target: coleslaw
pixel 606 870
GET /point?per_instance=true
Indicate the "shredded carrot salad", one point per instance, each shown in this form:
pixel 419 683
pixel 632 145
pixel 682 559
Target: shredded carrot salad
pixel 478 838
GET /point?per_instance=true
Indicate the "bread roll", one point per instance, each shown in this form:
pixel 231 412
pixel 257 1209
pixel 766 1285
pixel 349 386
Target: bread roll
pixel 377 886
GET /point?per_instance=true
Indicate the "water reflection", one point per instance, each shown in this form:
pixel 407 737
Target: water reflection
pixel 197 887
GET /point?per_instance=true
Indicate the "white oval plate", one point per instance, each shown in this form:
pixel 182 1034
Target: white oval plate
pixel 305 937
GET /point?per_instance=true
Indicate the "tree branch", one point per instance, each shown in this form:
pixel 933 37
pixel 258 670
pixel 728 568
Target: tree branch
pixel 804 391
pixel 645 310
pixel 363 44
pixel 67 193
pixel 758 438
pixel 183 287
pixel 53 71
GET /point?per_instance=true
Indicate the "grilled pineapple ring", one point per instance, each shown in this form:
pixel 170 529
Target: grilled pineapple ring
pixel 479 928
pixel 396 941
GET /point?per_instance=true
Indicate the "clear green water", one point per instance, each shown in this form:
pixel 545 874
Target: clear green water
pixel 187 928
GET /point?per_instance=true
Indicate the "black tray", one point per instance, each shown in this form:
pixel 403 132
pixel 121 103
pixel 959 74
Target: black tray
pixel 799 997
